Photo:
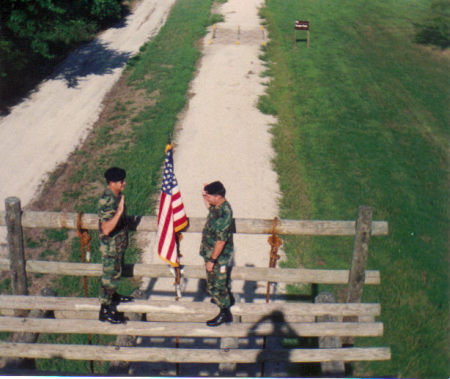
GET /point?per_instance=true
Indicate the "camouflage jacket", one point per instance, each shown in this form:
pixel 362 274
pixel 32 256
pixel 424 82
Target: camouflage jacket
pixel 218 227
pixel 107 208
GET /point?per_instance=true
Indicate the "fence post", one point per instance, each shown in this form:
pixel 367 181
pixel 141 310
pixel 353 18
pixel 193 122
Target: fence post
pixel 360 252
pixel 332 368
pixel 16 246
pixel 227 343
pixel 357 271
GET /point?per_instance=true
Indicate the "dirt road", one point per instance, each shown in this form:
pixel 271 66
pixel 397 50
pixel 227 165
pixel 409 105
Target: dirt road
pixel 44 129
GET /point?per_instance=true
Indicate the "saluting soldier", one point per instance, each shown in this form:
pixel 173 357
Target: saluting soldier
pixel 217 250
pixel 113 236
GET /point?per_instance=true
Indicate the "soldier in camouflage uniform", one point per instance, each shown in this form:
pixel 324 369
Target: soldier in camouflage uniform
pixel 217 250
pixel 113 236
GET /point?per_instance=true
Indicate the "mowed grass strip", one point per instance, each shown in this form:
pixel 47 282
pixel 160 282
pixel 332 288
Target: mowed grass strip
pixel 363 120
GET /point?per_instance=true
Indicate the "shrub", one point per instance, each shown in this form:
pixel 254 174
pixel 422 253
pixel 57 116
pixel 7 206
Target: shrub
pixel 106 9
pixel 435 29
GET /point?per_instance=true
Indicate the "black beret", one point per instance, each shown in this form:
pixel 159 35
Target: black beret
pixel 115 174
pixel 215 188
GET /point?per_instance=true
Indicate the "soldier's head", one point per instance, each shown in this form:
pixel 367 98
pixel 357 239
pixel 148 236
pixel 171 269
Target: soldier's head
pixel 115 177
pixel 214 193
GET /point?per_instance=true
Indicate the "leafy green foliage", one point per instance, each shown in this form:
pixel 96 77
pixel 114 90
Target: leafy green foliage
pixel 38 33
pixel 105 9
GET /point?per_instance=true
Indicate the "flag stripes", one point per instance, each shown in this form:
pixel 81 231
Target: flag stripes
pixel 171 216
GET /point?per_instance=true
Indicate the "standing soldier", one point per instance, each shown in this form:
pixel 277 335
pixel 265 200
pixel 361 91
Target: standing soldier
pixel 217 249
pixel 113 235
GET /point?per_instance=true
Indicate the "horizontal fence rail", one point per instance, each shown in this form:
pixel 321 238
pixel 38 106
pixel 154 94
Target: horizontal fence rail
pixel 32 219
pixel 33 315
pixel 281 275
pixel 190 329
pixel 189 307
pixel 142 354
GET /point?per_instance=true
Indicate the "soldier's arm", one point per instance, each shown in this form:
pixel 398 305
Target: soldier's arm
pixel 218 248
pixel 108 226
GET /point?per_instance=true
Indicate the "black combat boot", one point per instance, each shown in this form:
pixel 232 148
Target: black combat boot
pixel 109 313
pixel 118 298
pixel 223 316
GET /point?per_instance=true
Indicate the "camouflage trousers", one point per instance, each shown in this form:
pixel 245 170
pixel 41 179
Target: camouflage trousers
pixel 112 261
pixel 218 285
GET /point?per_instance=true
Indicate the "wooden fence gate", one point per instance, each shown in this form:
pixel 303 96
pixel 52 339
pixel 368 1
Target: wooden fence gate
pixel 329 322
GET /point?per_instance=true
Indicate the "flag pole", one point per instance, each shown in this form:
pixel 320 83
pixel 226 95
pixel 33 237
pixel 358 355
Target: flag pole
pixel 178 238
pixel 178 295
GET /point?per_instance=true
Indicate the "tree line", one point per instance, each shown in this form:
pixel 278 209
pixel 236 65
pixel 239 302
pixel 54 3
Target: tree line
pixel 37 34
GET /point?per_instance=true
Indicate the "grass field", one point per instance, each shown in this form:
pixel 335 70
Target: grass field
pixel 363 120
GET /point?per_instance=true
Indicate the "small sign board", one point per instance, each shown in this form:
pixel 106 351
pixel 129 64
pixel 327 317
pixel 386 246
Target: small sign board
pixel 301 25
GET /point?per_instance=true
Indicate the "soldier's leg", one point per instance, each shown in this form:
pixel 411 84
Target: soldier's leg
pixel 230 294
pixel 117 297
pixel 111 273
pixel 110 278
pixel 217 281
pixel 210 283
pixel 110 281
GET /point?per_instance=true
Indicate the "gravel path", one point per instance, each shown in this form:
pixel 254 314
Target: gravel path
pixel 223 136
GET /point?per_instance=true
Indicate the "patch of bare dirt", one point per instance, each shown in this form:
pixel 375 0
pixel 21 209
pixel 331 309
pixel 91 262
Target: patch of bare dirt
pixel 72 181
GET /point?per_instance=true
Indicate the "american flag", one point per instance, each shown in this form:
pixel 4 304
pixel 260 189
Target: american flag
pixel 171 217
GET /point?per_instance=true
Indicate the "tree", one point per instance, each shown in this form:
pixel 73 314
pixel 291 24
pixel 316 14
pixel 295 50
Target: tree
pixel 38 33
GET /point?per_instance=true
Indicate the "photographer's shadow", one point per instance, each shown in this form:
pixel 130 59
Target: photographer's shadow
pixel 275 358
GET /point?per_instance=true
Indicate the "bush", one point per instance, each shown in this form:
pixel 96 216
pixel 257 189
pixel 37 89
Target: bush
pixel 106 9
pixel 435 29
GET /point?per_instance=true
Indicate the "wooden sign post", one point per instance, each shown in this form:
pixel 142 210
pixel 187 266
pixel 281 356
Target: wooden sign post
pixel 301 25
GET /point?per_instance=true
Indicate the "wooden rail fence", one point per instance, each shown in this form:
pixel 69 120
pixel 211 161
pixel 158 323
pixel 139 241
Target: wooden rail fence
pixel 323 320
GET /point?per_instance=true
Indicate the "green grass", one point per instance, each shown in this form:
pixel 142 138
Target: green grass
pixel 363 120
